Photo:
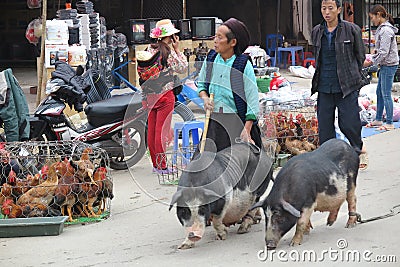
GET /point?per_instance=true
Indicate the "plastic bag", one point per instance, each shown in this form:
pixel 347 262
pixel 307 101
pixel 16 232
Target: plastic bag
pixel 302 72
pixel 34 31
pixel 34 3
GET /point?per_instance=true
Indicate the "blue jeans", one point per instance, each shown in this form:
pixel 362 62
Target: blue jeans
pixel 384 93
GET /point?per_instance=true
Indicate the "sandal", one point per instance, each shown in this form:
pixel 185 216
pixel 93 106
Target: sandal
pixel 364 160
pixel 386 127
pixel 374 124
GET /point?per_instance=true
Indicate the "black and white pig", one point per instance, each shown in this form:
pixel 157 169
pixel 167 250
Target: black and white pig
pixel 316 181
pixel 222 187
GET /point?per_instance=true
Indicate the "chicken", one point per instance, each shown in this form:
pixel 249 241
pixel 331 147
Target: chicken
pixel 23 185
pixel 90 192
pixel 294 146
pixel 68 188
pixel 297 147
pixel 42 194
pixel 10 209
pixel 5 193
pixel 39 210
pixel 84 168
pixel 107 192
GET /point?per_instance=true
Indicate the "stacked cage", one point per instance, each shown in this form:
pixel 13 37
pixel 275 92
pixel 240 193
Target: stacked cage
pixel 49 179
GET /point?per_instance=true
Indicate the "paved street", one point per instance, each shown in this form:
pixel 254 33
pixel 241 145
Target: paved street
pixel 142 232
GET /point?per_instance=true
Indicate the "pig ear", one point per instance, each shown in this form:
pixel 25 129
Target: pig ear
pixel 210 194
pixel 175 198
pixel 289 208
pixel 259 204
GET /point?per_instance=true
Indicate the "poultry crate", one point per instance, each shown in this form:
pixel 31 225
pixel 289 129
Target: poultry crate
pixel 47 179
pixel 294 125
pixel 176 162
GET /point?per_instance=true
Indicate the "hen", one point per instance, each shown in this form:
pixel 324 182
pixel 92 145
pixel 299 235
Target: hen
pixel 44 193
pixel 68 187
pixel 91 192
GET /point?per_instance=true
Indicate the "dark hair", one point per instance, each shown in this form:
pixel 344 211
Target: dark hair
pixel 239 31
pixel 379 9
pixel 164 49
pixel 338 3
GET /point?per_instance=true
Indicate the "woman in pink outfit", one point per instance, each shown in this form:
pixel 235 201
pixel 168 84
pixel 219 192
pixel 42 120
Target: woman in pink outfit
pixel 162 103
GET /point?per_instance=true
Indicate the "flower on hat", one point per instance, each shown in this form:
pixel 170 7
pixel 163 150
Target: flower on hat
pixel 158 31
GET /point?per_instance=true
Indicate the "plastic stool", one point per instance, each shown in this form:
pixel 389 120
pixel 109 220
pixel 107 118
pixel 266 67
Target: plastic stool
pixel 186 127
pixel 310 61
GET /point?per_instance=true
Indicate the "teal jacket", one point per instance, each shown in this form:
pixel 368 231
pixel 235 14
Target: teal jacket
pixel 14 110
pixel 220 85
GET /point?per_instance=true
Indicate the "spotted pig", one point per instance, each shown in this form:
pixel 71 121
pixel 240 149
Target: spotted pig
pixel 316 181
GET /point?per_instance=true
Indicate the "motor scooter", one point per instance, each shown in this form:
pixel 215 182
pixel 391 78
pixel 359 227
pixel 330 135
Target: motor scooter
pixel 116 124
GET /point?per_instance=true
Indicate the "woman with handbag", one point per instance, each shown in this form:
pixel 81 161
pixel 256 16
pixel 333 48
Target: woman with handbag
pixel 387 58
pixel 160 91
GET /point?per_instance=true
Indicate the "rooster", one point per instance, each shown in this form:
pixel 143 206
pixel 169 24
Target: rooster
pixel 10 209
pixel 68 187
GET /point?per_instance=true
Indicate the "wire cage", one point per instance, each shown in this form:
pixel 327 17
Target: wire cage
pixel 175 163
pixel 46 179
pixel 294 125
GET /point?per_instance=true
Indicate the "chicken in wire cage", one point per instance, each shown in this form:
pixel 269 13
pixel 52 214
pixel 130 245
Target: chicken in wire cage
pixel 293 124
pixel 41 179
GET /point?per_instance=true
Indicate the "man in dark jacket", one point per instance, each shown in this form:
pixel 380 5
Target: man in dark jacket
pixel 339 56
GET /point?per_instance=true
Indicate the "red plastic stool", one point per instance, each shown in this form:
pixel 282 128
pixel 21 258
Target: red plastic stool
pixel 309 61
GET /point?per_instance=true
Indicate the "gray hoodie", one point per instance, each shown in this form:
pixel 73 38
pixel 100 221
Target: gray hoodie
pixel 385 45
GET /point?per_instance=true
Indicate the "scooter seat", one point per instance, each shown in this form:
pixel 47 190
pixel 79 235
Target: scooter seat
pixel 112 109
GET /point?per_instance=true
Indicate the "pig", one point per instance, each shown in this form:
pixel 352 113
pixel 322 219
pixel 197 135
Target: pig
pixel 316 181
pixel 221 187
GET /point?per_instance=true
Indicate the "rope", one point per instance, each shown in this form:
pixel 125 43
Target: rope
pixel 394 211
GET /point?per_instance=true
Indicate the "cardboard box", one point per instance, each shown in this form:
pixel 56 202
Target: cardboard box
pixel 55 52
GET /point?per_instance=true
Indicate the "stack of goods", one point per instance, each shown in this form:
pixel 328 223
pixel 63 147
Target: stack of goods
pixel 73 25
pixel 85 7
pixel 90 24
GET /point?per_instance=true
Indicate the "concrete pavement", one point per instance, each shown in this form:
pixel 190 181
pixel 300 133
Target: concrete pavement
pixel 142 232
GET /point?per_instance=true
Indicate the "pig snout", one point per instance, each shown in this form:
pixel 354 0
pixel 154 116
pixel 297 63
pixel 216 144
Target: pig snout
pixel 271 244
pixel 194 236
pixel 194 233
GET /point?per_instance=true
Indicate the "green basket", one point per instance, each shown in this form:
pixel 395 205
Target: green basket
pixel 263 84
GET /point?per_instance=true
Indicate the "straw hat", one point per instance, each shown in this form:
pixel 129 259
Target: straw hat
pixel 163 28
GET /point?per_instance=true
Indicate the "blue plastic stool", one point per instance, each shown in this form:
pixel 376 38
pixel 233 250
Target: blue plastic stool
pixel 185 127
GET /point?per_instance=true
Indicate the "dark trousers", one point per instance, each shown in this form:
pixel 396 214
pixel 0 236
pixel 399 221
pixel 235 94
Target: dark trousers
pixel 348 117
pixel 224 129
